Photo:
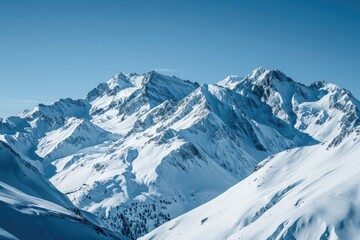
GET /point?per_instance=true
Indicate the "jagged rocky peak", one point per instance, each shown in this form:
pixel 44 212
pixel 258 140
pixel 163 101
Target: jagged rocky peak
pixel 307 108
pixel 122 106
pixel 117 83
pixel 318 84
pixel 152 82
pixel 61 108
pixel 339 97
pixel 230 81
pixel 256 73
pixel 120 81
pixel 263 76
pixel 274 82
pixel 324 85
pixel 259 76
pixel 161 87
pixel 277 80
pixel 12 125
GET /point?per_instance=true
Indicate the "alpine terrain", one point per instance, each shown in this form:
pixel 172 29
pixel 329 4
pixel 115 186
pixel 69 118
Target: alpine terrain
pixel 157 157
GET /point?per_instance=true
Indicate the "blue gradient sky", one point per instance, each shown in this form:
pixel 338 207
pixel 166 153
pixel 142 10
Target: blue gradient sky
pixel 52 49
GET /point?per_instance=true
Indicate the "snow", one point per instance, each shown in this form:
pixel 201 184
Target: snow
pixel 317 110
pixel 303 193
pixel 142 149
pixel 74 135
pixel 31 207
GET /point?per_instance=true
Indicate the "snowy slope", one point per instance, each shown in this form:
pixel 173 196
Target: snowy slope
pixel 73 136
pixel 304 193
pixel 32 208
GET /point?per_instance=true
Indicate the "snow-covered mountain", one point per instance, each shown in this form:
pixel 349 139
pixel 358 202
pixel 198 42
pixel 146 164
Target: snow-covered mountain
pixel 325 111
pixel 31 208
pixel 140 150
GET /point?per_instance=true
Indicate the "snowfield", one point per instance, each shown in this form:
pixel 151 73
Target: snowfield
pixel 153 154
pixel 303 193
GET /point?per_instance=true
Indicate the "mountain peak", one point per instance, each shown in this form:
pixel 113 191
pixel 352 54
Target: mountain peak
pixel 262 75
pixel 161 87
pixel 259 76
pixel 123 81
pixel 153 76
pixel 120 80
pixel 64 107
pixel 323 85
pixel 230 81
pixel 256 73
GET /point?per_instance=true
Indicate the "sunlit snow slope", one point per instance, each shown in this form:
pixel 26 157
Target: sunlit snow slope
pixel 304 193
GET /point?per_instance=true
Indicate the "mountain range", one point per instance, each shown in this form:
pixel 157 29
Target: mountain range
pixel 157 157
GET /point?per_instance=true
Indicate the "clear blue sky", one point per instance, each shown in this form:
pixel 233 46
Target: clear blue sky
pixel 52 49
